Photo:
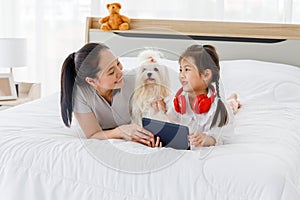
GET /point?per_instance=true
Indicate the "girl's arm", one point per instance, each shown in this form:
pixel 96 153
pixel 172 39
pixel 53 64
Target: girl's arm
pixel 132 132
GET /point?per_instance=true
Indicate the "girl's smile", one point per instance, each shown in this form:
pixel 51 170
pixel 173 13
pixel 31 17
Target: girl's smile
pixel 183 83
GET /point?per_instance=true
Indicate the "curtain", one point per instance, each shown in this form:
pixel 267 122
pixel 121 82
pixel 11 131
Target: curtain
pixel 53 29
pixel 269 11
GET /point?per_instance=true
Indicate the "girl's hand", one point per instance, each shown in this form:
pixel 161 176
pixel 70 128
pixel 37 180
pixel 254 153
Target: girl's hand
pixel 159 105
pixel 156 143
pixel 198 139
pixel 136 133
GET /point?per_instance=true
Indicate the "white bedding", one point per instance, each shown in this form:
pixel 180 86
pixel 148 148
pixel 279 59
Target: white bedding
pixel 42 159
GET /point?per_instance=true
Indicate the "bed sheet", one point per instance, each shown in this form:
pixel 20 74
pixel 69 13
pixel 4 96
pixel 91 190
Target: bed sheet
pixel 42 159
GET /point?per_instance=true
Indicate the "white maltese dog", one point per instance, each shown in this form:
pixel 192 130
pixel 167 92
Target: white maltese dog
pixel 152 84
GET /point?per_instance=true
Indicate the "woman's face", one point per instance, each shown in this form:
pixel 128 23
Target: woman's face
pixel 190 78
pixel 110 75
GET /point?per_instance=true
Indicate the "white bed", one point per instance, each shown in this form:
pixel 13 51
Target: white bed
pixel 42 159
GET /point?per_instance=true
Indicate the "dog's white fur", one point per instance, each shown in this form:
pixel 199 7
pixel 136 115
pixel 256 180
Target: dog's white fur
pixel 152 83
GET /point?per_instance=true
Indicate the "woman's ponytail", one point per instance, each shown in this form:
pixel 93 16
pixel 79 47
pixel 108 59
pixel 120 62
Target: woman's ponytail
pixel 77 66
pixel 68 75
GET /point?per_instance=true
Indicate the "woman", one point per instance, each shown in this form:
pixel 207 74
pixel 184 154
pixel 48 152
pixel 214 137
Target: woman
pixel 94 88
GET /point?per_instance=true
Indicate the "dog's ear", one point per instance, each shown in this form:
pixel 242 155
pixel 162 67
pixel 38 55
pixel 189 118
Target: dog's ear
pixel 166 76
pixel 165 81
pixel 138 74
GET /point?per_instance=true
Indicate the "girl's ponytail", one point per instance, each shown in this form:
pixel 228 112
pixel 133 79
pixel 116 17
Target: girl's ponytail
pixel 68 75
pixel 221 111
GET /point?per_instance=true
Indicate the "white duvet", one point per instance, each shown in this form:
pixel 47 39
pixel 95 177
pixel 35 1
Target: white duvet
pixel 42 159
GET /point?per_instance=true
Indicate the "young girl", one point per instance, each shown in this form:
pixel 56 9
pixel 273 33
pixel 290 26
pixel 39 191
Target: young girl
pixel 198 103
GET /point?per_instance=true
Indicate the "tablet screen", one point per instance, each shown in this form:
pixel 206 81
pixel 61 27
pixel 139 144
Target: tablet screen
pixel 171 135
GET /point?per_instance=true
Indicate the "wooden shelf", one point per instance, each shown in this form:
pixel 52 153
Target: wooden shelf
pixel 27 92
pixel 205 28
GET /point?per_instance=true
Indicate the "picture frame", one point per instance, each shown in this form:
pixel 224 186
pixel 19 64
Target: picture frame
pixel 7 87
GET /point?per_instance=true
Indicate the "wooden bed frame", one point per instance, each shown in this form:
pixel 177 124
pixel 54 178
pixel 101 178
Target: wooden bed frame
pixel 233 40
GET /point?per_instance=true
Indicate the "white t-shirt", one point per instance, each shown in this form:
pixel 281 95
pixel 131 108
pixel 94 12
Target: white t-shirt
pixel 201 122
pixel 86 100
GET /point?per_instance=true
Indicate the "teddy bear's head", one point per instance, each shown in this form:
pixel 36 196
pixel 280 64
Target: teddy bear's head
pixel 113 8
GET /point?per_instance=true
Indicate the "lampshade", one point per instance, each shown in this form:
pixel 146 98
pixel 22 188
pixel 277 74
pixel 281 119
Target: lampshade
pixel 12 52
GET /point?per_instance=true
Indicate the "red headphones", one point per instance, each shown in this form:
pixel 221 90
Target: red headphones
pixel 200 105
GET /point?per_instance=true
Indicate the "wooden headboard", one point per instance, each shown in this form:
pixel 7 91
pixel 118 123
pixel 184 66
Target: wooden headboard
pixel 261 41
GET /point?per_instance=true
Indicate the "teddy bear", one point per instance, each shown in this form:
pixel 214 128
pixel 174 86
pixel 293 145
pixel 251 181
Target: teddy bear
pixel 114 21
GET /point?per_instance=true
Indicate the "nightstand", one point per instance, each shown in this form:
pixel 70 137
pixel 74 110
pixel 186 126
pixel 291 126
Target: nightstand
pixel 27 92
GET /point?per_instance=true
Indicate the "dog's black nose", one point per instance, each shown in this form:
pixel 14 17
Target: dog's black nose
pixel 149 74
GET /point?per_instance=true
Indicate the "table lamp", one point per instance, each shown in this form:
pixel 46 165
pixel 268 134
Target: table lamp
pixel 12 54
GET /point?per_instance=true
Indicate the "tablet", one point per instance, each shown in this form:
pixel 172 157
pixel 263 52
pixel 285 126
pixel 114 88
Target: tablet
pixel 171 135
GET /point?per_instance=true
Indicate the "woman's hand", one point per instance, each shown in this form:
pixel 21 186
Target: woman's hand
pixel 198 139
pixel 136 133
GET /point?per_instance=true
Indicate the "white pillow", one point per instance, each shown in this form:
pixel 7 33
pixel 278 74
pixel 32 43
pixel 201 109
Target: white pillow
pixel 261 81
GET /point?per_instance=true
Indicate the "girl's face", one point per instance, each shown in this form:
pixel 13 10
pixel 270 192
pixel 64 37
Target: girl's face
pixel 190 78
pixel 110 75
